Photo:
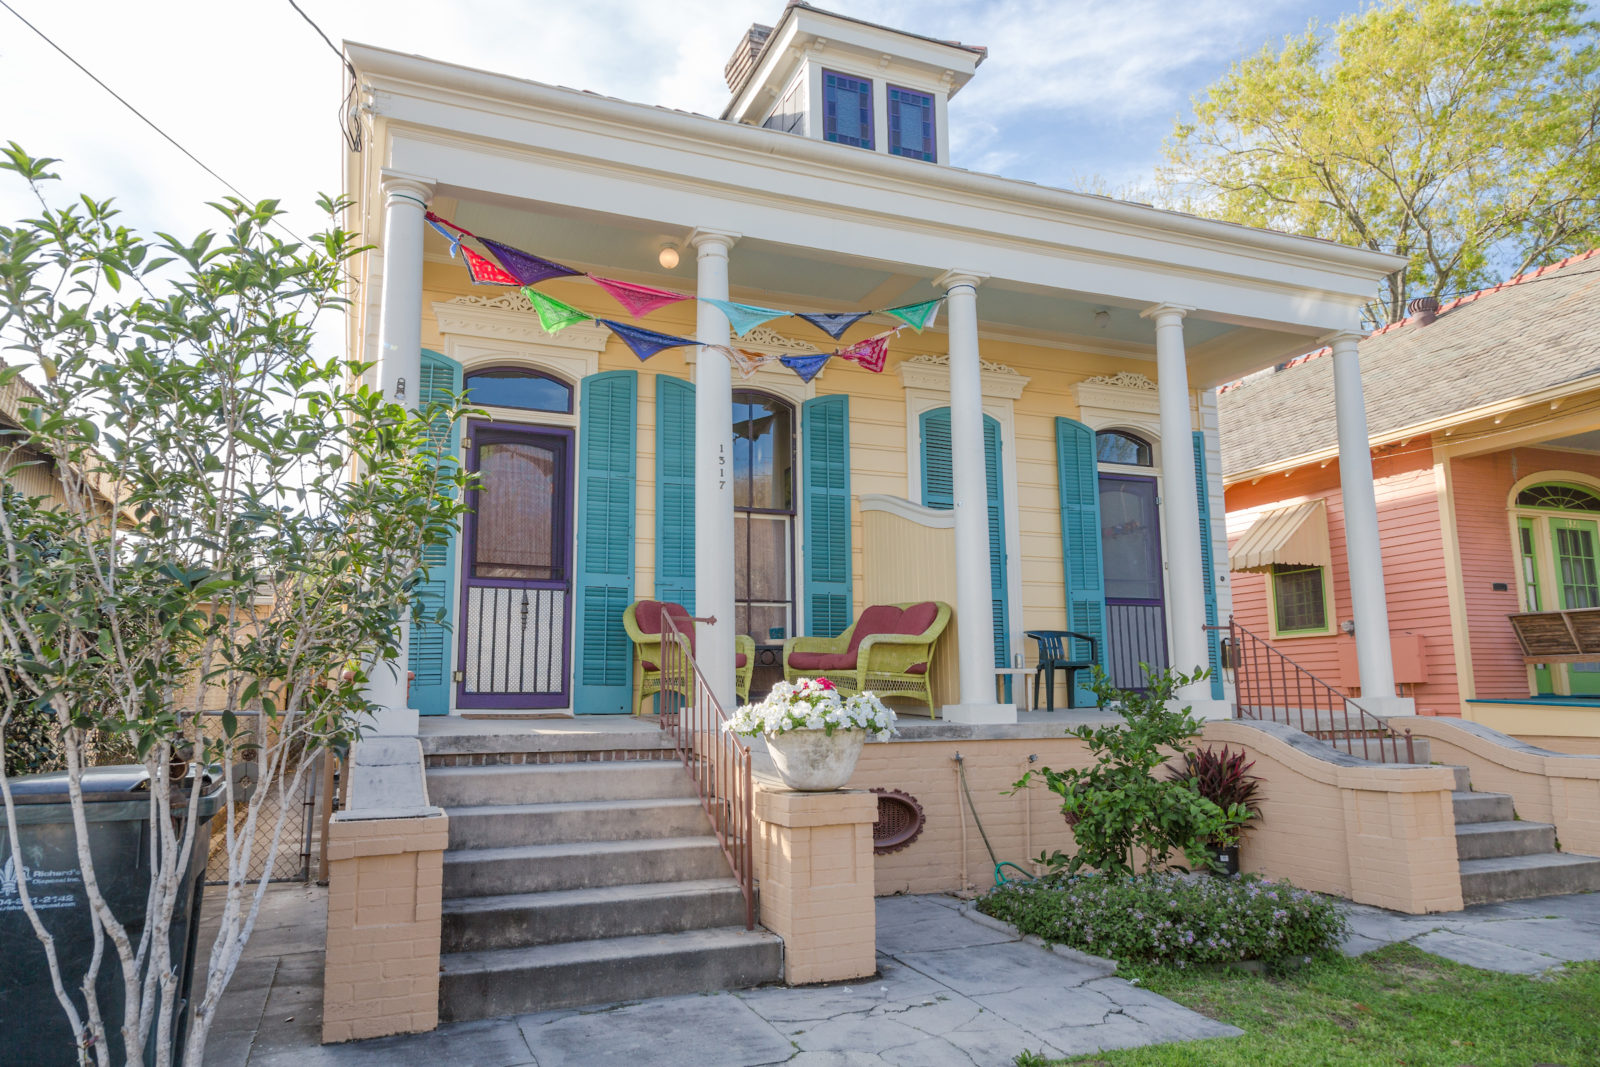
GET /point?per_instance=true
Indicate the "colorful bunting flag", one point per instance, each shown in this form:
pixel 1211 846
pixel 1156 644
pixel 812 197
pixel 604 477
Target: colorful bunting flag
pixel 872 353
pixel 484 272
pixel 645 343
pixel 806 367
pixel 918 316
pixel 527 268
pixel 834 324
pixel 439 224
pixel 554 315
pixel 438 221
pixel 744 317
pixel 638 299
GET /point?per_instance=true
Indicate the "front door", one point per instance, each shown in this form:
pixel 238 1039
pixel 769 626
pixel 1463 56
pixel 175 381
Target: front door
pixel 1130 545
pixel 1578 582
pixel 516 602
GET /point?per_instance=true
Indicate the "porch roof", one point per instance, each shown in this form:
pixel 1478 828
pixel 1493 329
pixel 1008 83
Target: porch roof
pixel 633 174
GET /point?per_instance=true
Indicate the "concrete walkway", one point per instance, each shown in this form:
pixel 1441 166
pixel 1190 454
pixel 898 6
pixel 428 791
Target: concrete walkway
pixel 951 990
pixel 1515 937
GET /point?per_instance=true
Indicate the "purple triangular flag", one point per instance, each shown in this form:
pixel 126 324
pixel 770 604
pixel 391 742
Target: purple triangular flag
pixel 834 325
pixel 527 268
pixel 806 366
pixel 645 343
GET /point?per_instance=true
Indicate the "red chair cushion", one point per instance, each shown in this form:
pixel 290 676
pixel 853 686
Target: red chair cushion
pixel 917 668
pixel 878 619
pixel 647 613
pixel 917 618
pixel 822 661
pixel 647 665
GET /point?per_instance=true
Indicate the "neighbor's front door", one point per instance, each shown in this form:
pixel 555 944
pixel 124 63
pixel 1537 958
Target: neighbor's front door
pixel 516 601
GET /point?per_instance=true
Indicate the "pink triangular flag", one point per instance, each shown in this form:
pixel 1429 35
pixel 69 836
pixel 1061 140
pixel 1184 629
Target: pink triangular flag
pixel 638 299
pixel 872 353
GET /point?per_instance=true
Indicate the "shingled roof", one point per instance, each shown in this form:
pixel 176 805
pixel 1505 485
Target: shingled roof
pixel 1535 332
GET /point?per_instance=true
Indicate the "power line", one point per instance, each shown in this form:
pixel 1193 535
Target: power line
pixel 142 116
pixel 348 124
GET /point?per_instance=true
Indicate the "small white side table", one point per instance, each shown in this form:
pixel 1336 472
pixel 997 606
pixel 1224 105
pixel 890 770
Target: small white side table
pixel 1019 688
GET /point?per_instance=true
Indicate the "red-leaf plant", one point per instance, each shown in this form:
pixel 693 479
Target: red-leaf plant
pixel 1223 778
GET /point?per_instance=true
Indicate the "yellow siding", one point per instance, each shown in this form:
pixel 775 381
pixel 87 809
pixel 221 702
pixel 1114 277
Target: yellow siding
pixel 877 425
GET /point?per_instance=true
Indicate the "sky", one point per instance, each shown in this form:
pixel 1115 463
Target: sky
pixel 1074 93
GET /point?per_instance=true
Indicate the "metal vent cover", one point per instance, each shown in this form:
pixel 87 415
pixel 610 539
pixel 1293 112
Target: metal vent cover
pixel 900 821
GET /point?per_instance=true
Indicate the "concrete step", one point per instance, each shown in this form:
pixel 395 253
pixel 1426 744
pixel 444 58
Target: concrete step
pixel 451 787
pixel 499 825
pixel 475 924
pixel 1463 778
pixel 1519 877
pixel 1481 807
pixel 483 872
pixel 512 981
pixel 1493 840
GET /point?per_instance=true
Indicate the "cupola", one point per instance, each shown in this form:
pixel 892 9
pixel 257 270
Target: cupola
pixel 842 79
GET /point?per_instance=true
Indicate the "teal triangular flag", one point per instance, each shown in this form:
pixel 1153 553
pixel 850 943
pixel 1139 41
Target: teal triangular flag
pixel 744 317
pixel 917 316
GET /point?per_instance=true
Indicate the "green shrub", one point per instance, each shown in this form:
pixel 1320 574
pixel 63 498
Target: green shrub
pixel 1165 917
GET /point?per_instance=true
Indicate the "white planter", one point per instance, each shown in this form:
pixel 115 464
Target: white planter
pixel 812 761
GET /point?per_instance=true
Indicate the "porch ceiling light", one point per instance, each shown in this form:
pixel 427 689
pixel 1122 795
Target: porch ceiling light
pixel 668 256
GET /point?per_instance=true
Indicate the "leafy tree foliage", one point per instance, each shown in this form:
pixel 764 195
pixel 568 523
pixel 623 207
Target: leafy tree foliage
pixel 1462 135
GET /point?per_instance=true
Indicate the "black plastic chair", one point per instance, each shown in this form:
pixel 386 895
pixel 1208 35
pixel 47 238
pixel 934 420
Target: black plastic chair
pixel 1054 655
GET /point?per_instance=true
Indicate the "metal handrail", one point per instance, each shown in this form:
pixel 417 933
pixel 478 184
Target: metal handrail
pixel 1269 686
pixel 717 761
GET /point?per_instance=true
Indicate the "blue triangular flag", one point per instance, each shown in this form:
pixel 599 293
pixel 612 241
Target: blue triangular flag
pixel 645 343
pixel 454 239
pixel 834 325
pixel 806 366
pixel 744 317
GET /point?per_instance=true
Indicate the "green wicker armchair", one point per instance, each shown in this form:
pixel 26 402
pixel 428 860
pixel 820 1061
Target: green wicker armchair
pixel 887 651
pixel 642 620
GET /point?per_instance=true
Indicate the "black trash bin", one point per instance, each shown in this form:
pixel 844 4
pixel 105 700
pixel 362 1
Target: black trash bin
pixel 33 1028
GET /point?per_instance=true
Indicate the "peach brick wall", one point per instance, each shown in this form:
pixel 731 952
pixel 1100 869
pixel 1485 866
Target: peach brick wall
pixel 1382 836
pixel 814 860
pixel 385 889
pixel 1545 786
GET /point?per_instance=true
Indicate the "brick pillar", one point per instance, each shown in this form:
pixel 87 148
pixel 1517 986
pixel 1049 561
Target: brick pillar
pixel 814 860
pixel 385 885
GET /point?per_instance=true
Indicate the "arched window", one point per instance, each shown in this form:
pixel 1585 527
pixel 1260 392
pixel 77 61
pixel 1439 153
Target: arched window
pixel 1119 446
pixel 518 387
pixel 1558 495
pixel 763 519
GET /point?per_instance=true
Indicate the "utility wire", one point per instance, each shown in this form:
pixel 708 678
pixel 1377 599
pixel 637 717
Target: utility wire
pixel 348 124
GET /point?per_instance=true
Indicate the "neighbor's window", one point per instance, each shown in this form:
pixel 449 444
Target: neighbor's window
pixel 1115 446
pixel 518 387
pixel 1558 495
pixel 846 109
pixel 911 123
pixel 1299 597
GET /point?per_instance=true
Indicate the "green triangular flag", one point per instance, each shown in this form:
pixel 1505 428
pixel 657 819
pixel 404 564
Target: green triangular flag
pixel 554 316
pixel 917 316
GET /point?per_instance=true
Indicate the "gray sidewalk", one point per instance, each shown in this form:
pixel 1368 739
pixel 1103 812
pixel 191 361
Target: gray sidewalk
pixel 1516 937
pixel 950 991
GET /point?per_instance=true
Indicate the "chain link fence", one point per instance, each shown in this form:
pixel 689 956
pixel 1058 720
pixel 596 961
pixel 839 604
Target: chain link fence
pixel 305 796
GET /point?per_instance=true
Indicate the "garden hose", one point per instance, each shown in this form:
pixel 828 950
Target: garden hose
pixel 999 878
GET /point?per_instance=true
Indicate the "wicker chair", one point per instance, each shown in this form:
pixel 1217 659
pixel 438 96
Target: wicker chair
pixel 888 651
pixel 642 620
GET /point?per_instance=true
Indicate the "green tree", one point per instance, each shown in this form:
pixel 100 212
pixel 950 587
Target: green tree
pixel 1464 136
pixel 241 529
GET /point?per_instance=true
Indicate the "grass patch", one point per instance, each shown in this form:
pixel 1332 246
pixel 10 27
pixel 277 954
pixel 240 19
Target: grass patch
pixel 1397 1006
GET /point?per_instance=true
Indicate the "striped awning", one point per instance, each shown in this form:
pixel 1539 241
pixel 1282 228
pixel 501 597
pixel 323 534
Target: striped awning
pixel 1293 536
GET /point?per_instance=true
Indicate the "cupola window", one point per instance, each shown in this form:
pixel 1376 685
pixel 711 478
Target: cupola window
pixel 846 109
pixel 911 122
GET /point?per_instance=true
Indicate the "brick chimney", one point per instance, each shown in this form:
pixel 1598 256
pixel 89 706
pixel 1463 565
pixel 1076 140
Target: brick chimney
pixel 744 57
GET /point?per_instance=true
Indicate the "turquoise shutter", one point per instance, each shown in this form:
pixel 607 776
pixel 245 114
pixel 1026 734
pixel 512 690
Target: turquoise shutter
pixel 825 435
pixel 1207 566
pixel 938 491
pixel 434 608
pixel 1079 477
pixel 603 674
pixel 675 491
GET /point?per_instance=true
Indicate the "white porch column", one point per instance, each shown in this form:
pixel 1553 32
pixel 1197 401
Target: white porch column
pixel 1361 544
pixel 1180 507
pixel 713 469
pixel 974 597
pixel 405 199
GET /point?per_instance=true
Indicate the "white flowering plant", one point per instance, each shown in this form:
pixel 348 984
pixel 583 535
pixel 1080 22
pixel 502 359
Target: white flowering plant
pixel 813 704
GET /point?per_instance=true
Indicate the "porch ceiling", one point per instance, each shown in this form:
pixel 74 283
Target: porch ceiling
pixel 810 278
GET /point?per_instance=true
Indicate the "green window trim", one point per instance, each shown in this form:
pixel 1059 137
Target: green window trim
pixel 1325 581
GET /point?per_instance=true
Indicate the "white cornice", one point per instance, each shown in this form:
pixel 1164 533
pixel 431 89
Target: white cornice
pixel 932 371
pixel 901 507
pixel 509 317
pixel 1125 392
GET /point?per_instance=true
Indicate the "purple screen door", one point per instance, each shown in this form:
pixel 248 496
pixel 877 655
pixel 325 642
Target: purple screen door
pixel 516 597
pixel 1130 545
